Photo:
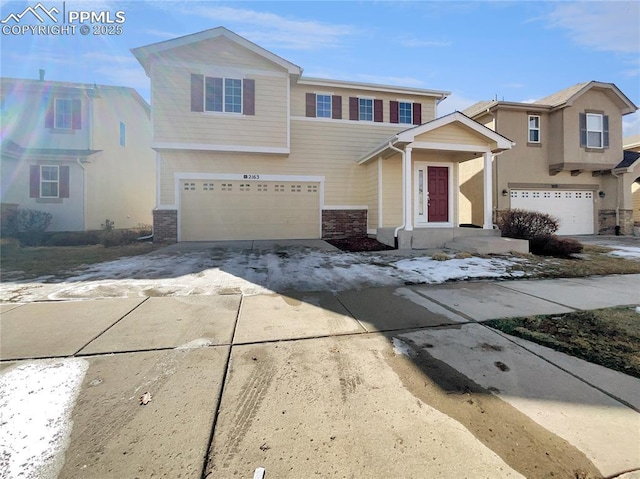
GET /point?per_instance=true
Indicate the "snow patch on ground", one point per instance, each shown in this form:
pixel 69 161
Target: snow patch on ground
pixel 36 402
pixel 402 348
pixel 624 251
pixel 196 343
pixel 638 309
pixel 252 272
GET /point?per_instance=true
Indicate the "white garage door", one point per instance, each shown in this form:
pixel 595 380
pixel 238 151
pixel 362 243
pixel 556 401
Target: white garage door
pixel 242 210
pixel 574 209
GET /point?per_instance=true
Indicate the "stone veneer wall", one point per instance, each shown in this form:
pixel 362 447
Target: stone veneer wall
pixel 607 222
pixel 344 223
pixel 165 226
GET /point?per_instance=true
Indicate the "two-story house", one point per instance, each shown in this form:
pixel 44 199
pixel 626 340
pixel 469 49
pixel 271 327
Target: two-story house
pixel 249 148
pixel 81 152
pixel 568 160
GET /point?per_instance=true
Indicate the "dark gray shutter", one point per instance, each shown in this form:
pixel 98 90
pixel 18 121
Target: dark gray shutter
pixel 336 107
pixel 197 92
pixel 605 131
pixel 311 105
pixel 583 129
pixel 64 182
pixel 34 181
pixel 76 114
pixel 394 112
pixel 49 117
pixel 353 108
pixel 249 96
pixel 417 114
pixel 377 110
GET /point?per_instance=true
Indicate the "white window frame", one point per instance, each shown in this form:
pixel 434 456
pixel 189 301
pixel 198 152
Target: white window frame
pixel 530 129
pixel 56 181
pixel 600 131
pixel 318 95
pixel 360 100
pixel 224 95
pixel 410 103
pixel 67 116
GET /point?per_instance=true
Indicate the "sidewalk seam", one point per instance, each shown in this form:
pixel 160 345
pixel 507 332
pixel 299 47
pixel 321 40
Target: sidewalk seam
pixel 538 297
pixel 364 329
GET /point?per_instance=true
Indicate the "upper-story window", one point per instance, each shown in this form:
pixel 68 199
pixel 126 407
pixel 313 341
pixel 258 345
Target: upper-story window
pixel 405 112
pixel 365 109
pixel 225 95
pixel 594 130
pixel 63 114
pixel 323 106
pixel 534 129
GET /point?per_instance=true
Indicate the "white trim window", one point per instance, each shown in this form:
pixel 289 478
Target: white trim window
pixel 405 112
pixel 223 94
pixel 534 129
pixel 63 116
pixel 595 129
pixel 49 181
pixel 323 106
pixel 365 109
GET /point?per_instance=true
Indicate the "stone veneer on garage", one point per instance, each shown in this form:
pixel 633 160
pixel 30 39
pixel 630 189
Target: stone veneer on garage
pixel 344 223
pixel 607 222
pixel 165 226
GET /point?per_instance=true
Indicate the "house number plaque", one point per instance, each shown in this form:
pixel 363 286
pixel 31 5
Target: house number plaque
pixel 251 177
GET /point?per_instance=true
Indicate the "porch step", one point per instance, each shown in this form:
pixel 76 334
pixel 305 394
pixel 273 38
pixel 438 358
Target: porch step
pixel 488 244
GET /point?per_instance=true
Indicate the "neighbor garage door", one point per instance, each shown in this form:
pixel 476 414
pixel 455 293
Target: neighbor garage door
pixel 574 209
pixel 239 210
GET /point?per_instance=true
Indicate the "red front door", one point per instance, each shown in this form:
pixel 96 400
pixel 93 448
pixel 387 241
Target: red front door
pixel 438 189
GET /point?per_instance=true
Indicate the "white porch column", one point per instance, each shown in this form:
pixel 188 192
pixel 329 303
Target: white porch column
pixel 408 180
pixel 488 188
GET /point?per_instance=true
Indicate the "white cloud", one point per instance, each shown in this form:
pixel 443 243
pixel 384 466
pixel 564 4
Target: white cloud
pixel 276 31
pixel 631 124
pixel 161 33
pixel 454 102
pixel 604 26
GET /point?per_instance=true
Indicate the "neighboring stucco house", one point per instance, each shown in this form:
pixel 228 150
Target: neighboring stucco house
pixel 249 148
pixel 568 160
pixel 631 147
pixel 78 151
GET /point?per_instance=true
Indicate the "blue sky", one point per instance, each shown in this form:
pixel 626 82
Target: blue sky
pixel 517 51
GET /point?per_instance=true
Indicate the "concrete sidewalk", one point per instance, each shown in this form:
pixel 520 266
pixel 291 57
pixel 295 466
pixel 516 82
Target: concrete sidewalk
pixel 385 382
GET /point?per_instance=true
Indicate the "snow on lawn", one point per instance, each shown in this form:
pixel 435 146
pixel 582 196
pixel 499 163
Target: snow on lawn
pixel 624 251
pixel 252 272
pixel 36 401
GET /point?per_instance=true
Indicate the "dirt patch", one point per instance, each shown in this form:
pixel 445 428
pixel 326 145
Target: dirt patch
pixel 355 245
pixel 609 337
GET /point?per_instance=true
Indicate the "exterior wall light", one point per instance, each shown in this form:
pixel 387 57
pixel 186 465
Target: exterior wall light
pixel 601 194
pixel 505 192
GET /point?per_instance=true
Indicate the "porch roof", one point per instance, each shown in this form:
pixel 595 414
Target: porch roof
pixel 409 136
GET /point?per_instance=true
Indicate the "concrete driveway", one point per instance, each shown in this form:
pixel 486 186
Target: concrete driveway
pixel 386 382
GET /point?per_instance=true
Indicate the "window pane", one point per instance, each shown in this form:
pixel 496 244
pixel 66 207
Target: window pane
pixel 404 112
pixel 366 109
pixel 594 139
pixel 594 122
pixel 534 136
pixel 323 106
pixel 534 122
pixel 49 189
pixel 213 94
pixel 232 95
pixel 63 114
pixel 49 173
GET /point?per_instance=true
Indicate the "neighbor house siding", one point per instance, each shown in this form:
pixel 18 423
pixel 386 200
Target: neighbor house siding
pixel 372 194
pixel 392 191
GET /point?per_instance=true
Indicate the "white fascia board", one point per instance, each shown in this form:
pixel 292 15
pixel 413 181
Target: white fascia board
pixel 323 82
pixel 429 145
pixel 187 175
pixel 227 148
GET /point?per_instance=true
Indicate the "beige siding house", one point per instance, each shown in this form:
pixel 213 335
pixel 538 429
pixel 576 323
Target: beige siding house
pixel 631 147
pixel 568 160
pixel 78 151
pixel 249 148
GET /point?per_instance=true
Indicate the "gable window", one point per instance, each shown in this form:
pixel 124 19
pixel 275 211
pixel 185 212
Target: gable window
pixel 365 109
pixel 122 134
pixel 405 112
pixel 49 181
pixel 323 106
pixel 225 95
pixel 63 114
pixel 594 130
pixel 534 129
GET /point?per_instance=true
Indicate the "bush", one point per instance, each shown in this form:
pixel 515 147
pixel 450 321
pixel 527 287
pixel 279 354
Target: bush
pixel 118 237
pixel 29 225
pixel 73 238
pixel 552 245
pixel 522 224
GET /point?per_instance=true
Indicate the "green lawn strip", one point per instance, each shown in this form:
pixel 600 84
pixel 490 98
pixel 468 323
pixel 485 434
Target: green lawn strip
pixel 60 261
pixel 609 337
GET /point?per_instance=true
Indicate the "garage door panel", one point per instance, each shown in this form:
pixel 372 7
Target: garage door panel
pixel 574 209
pixel 226 210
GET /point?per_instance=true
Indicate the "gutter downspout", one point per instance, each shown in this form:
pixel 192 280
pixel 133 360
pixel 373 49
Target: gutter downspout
pixel 617 228
pixel 84 193
pixel 404 173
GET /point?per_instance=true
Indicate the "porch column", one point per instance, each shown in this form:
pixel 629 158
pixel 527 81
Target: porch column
pixel 488 188
pixel 408 210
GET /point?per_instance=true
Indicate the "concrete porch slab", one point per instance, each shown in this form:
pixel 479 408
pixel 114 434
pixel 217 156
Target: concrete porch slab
pixel 384 309
pixel 488 245
pixel 170 322
pixel 114 436
pixel 482 301
pixel 271 317
pixel 51 329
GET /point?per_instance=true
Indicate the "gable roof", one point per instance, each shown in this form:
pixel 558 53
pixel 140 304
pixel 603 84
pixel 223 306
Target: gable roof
pixel 629 158
pixel 562 96
pixel 144 54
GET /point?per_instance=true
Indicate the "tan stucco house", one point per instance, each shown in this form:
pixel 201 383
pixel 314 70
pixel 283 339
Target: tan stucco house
pixel 631 147
pixel 568 159
pixel 78 151
pixel 247 147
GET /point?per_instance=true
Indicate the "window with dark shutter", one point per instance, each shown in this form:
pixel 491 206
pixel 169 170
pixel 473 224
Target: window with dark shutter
pixel 393 112
pixel 377 111
pixel 417 114
pixel 310 104
pixel 583 129
pixel 197 92
pixel 249 97
pixel 49 116
pixel 34 181
pixel 76 115
pixel 336 107
pixel 64 182
pixel 605 131
pixel 353 108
